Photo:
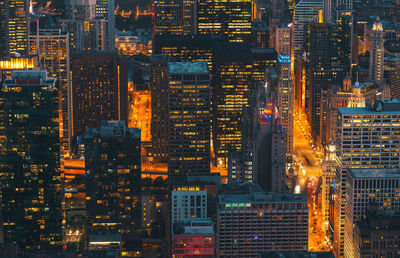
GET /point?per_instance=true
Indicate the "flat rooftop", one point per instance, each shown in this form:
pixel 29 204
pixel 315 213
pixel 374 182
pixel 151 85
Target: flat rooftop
pixel 375 173
pixel 382 106
pixel 187 67
pixel 261 197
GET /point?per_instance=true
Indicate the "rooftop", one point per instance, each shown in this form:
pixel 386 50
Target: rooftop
pixel 113 129
pixel 380 106
pixel 29 78
pixel 375 173
pixel 187 67
pixel 261 197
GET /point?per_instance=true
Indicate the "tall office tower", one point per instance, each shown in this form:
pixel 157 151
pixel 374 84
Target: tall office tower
pixel 113 188
pixel 306 11
pixel 300 90
pixel 231 18
pixel 392 75
pixel 99 90
pixel 105 10
pixel 328 175
pixel 188 203
pixel 377 230
pixel 328 11
pixel 377 53
pixel 259 31
pixel 189 118
pixel 366 138
pixel 3 28
pixel 345 35
pixel 255 222
pixel 323 70
pixel 54 56
pixel 30 162
pixel 189 20
pixel 285 99
pixel 231 92
pixel 366 187
pixel 89 25
pixel 282 39
pixel 17 25
pixel 159 107
pixel 167 17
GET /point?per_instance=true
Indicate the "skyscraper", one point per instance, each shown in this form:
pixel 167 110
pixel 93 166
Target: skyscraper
pixel 345 35
pixel 168 17
pixel 189 118
pixel 54 56
pixel 322 69
pixel 366 138
pixel 306 11
pixel 282 39
pixel 113 188
pixel 30 161
pixel 105 10
pixel 231 18
pixel 159 107
pixel 99 89
pixel 18 27
pixel 285 99
pixel 3 28
pixel 377 53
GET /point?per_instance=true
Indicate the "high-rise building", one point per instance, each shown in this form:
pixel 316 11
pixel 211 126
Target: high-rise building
pixel 306 11
pixel 282 39
pixel 10 64
pixel 366 187
pixel 30 161
pixel 377 234
pixel 16 18
pixel 54 56
pixel 323 69
pixel 189 118
pixel 285 99
pixel 376 61
pixel 189 20
pixel 190 202
pixel 3 28
pixel 159 107
pixel 113 188
pixel 259 34
pixel 365 138
pixel 99 86
pixel 328 175
pixel 392 75
pixel 252 223
pixel 168 17
pixel 105 10
pixel 230 18
pixel 345 35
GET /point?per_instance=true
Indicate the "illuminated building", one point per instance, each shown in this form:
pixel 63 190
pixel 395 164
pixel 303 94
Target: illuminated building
pixel 365 138
pixel 194 237
pixel 188 202
pixel 130 44
pixel 80 9
pixel 376 61
pixel 189 118
pixel 14 16
pixel 392 75
pixel 365 187
pixel 30 161
pixel 85 35
pixel 3 28
pixel 255 222
pixel 300 90
pixel 259 34
pixel 189 19
pixel 282 39
pixel 99 90
pixel 285 99
pixel 377 233
pixel 113 188
pixel 345 35
pixel 53 55
pixel 159 107
pixel 167 17
pixel 231 18
pixel 305 12
pixel 8 65
pixel 328 175
pixel 305 254
pixel 322 70
pixel 105 10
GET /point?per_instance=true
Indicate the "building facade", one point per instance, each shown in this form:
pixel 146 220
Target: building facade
pixel 376 58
